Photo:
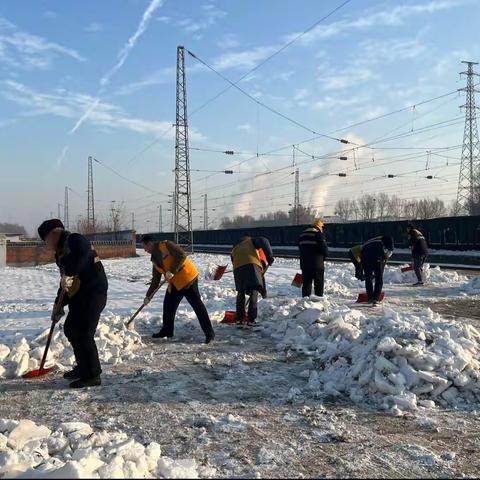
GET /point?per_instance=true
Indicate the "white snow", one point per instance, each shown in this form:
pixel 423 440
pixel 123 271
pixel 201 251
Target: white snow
pixel 74 450
pixel 398 357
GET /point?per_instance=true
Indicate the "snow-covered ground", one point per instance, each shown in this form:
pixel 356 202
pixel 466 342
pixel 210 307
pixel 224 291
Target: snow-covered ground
pixel 401 359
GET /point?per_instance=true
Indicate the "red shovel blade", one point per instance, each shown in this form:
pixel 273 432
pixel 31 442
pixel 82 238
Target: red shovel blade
pixel 219 272
pixel 297 280
pixel 406 269
pixel 229 317
pixel 39 372
pixel 363 297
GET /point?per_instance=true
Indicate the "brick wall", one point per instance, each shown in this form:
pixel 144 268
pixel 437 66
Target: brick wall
pixel 35 253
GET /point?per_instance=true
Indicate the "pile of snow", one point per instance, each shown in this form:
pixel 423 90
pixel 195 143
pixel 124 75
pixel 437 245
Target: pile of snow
pixel 473 286
pixel 114 342
pixel 74 450
pixel 397 360
pixel 432 275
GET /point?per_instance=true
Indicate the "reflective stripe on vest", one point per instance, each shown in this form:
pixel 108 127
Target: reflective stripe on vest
pixel 357 252
pixel 245 253
pixel 418 235
pixel 184 277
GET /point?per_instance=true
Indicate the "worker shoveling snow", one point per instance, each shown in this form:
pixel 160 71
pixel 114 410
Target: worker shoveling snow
pixel 114 342
pixel 75 450
pixel 397 361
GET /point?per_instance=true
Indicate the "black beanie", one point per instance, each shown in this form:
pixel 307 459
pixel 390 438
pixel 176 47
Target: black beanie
pixel 47 226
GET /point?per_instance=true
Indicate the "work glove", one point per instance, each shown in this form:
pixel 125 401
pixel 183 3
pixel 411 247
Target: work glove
pixel 66 282
pixel 388 253
pixel 146 301
pixel 168 276
pixel 57 315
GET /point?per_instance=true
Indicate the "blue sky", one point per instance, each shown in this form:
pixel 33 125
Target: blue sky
pixel 98 78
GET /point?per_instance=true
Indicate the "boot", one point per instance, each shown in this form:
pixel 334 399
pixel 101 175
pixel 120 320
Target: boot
pixel 418 284
pixel 161 334
pixel 209 338
pixel 86 382
pixel 72 374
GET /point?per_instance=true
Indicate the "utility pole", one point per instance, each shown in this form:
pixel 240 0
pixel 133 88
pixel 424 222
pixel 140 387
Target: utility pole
pixel 90 199
pixel 296 201
pixel 133 220
pixel 205 212
pixel 66 219
pixel 160 219
pixel 173 213
pixel 183 200
pixel 468 193
pixel 59 211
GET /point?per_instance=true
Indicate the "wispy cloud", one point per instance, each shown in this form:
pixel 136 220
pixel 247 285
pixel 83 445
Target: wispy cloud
pixel 163 19
pixel 23 50
pixel 122 58
pixel 330 103
pixel 132 41
pixel 245 59
pixel 228 41
pixel 61 157
pixel 165 75
pixel 69 104
pixel 346 78
pixel 245 126
pixel 210 15
pixel 94 27
pixel 395 16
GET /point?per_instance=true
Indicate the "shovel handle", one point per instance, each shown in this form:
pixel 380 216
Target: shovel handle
pixel 134 316
pixel 56 307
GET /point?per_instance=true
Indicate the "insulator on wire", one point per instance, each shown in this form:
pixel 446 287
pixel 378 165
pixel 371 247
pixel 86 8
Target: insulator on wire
pixel 391 176
pixel 342 174
pixel 342 140
pixel 228 152
pixel 228 172
pixel 429 177
pixel 343 158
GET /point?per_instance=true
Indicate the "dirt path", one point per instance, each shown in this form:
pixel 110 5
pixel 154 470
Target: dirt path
pixel 228 405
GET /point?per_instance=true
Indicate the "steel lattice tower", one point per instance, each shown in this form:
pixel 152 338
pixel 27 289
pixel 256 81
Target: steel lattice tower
pixel 183 200
pixel 468 194
pixel 91 201
pixel 296 202
pixel 66 219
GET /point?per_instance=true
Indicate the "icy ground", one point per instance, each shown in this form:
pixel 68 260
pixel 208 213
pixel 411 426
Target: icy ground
pixel 323 387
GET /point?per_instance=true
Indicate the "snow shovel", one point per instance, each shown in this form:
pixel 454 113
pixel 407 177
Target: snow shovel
pixel 134 316
pixel 363 297
pixel 218 273
pixel 408 268
pixel 40 372
pixel 297 280
pixel 230 316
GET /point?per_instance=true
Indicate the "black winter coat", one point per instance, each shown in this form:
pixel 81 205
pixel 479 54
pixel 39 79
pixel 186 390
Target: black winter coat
pixel 75 257
pixel 417 242
pixel 313 249
pixel 373 252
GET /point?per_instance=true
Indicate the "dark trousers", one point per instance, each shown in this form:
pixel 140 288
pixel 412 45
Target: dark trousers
pixel 252 305
pixel 315 276
pixel 418 261
pixel 357 265
pixel 374 269
pixel 172 301
pixel 80 326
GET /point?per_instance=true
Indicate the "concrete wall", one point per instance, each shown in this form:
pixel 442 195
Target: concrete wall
pixel 35 253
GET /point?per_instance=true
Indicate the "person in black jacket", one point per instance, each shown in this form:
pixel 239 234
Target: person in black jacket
pixel 375 254
pixel 85 283
pixel 419 248
pixel 251 258
pixel 313 251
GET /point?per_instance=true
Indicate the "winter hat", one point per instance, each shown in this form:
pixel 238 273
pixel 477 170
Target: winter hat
pixel 387 241
pixel 319 224
pixel 47 226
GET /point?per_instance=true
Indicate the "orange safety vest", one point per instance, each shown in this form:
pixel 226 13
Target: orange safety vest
pixel 245 253
pixel 184 277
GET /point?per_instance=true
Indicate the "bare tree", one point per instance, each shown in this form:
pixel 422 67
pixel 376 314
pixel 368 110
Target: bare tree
pixel 395 207
pixel 345 209
pixel 382 203
pixel 427 208
pixel 367 207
